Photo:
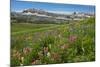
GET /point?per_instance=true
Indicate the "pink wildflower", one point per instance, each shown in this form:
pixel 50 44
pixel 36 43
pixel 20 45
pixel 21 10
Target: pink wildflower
pixel 72 38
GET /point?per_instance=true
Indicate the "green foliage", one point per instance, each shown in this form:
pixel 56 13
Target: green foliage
pixel 15 61
pixel 47 40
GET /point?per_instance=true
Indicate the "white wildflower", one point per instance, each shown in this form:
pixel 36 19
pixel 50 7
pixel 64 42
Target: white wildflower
pixel 48 54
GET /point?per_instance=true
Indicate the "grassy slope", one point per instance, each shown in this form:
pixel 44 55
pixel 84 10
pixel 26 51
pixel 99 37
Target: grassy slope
pixel 31 28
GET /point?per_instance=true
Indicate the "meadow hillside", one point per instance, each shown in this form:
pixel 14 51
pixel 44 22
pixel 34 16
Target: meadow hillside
pixel 35 44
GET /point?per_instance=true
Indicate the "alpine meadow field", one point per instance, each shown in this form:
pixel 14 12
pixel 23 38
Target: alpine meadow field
pixel 33 44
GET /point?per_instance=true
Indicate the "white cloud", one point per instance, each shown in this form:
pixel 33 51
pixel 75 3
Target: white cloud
pixel 61 12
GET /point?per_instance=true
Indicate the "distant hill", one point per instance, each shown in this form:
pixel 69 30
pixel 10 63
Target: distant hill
pixel 41 16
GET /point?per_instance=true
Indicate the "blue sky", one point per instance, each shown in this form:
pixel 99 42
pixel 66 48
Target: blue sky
pixel 51 7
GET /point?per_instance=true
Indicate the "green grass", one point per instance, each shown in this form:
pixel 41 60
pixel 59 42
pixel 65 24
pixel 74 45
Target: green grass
pixel 34 28
pixel 33 44
pixel 17 27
